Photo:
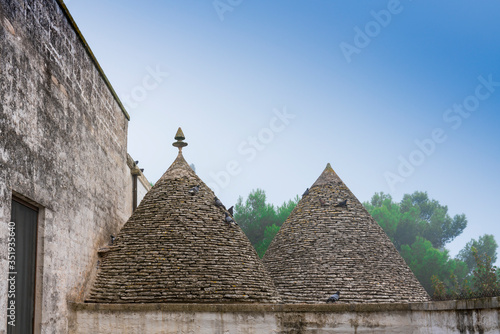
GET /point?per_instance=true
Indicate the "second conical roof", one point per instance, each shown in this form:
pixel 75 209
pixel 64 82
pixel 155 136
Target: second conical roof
pixel 325 246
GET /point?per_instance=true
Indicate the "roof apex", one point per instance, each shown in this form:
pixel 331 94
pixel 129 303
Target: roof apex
pixel 178 169
pixel 328 176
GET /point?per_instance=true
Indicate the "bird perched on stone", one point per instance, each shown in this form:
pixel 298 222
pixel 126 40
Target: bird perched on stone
pixel 230 210
pixel 193 191
pixel 343 203
pixel 112 237
pixel 306 192
pixel 333 298
pixel 229 219
pixel 219 203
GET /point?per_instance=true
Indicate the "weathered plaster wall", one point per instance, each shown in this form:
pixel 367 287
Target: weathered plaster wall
pixel 475 316
pixel 63 139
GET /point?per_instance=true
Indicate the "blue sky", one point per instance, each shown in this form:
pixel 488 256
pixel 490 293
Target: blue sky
pixel 397 95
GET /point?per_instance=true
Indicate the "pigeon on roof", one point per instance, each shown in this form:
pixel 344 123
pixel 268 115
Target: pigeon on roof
pixel 193 191
pixel 230 210
pixel 228 219
pixel 333 298
pixel 306 192
pixel 341 204
pixel 218 203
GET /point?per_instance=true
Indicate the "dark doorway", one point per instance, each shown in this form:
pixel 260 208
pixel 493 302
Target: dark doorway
pixel 22 267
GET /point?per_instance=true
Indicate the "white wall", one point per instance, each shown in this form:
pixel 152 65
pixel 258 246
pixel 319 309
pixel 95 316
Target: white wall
pixel 475 316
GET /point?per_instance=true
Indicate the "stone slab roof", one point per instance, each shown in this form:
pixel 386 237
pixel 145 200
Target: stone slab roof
pixel 323 247
pixel 176 247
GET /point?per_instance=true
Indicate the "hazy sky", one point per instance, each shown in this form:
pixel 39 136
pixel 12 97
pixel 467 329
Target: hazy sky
pixel 398 96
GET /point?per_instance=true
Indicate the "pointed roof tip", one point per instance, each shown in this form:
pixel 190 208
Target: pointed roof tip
pixel 179 136
pixel 329 170
pixel 179 168
pixel 327 176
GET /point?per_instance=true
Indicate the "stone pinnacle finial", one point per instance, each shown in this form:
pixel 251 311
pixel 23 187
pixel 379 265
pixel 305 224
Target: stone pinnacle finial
pixel 179 136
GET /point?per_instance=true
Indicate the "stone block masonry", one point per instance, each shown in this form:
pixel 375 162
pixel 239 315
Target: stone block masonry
pixel 63 139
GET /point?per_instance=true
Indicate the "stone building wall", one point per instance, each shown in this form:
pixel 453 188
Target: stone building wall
pixel 473 316
pixel 63 139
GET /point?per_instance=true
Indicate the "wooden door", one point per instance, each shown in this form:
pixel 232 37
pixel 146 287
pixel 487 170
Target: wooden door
pixel 22 267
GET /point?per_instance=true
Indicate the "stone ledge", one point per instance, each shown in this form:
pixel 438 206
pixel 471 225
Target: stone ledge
pixel 471 304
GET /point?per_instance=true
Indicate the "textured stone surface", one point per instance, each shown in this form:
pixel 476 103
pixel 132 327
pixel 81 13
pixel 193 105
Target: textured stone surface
pixel 63 146
pixel 473 316
pixel 323 247
pixel 176 247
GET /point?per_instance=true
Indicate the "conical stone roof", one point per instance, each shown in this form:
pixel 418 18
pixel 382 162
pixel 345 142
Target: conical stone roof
pixel 323 247
pixel 177 247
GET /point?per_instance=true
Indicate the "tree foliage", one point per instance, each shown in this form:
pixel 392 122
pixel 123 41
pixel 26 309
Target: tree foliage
pixel 433 220
pixel 483 282
pixel 485 278
pixel 269 234
pixel 420 227
pixel 260 220
pixel 426 261
pixel 485 245
pixel 415 216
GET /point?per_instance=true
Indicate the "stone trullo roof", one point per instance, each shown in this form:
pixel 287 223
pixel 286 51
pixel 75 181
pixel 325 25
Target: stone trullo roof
pixel 177 247
pixel 324 246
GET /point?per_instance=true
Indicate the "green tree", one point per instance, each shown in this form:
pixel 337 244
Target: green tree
pixel 483 282
pixel 485 276
pixel 485 245
pixel 415 216
pixel 419 227
pixel 426 261
pixel 285 209
pixel 254 215
pixel 269 234
pixel 385 212
pixel 432 219
pixel 260 220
